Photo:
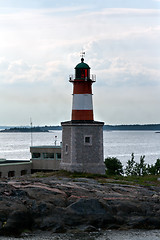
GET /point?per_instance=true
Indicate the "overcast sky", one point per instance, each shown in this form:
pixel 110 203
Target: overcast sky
pixel 40 44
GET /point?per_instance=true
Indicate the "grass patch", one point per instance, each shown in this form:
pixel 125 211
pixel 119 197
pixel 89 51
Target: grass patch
pixel 63 173
pixel 148 180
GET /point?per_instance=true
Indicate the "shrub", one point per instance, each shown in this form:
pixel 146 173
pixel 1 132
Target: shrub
pixel 130 167
pixel 136 169
pixel 154 169
pixel 113 166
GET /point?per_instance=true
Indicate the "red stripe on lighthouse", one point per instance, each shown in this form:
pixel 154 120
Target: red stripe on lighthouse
pixel 82 115
pixel 82 87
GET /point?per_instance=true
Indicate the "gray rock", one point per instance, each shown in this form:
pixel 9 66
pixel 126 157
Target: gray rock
pixel 63 204
pixel 17 222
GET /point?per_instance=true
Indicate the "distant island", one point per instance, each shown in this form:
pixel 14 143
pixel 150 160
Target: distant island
pixel 33 129
pixel 133 127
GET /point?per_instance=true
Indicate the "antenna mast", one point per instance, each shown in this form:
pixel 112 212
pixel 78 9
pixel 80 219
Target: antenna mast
pixel 31 132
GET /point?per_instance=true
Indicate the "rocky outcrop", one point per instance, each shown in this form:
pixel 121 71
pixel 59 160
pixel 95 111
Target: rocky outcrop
pixel 64 204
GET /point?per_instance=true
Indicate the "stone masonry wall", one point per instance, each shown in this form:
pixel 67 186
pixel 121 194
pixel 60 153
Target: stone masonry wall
pixel 81 156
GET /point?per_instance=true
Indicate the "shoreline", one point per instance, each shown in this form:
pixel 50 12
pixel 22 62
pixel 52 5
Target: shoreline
pixel 106 127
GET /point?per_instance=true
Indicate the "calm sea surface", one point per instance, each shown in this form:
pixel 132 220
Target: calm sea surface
pixel 119 144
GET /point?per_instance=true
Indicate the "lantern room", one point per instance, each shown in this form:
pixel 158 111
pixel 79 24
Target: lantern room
pixel 82 107
pixel 82 71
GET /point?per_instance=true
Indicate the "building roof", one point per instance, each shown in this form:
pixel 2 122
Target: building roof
pixel 82 65
pixel 47 146
pixel 13 162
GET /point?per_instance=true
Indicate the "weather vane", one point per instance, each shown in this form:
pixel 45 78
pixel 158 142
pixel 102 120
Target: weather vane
pixel 82 54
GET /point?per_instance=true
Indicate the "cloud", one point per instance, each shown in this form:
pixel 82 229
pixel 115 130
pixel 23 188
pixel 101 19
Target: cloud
pixel 3 65
pixel 20 72
pixel 129 12
pixel 18 66
pixel 127 104
pixel 38 22
pixel 40 48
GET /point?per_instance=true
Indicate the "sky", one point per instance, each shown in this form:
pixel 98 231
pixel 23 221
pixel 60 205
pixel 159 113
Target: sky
pixel 40 45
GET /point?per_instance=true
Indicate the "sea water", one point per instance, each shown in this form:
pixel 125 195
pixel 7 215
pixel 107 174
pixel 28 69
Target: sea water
pixel 120 144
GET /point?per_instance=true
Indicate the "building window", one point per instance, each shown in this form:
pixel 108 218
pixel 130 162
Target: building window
pixel 36 155
pixel 66 149
pixel 23 172
pixel 48 155
pixel 58 156
pixel 88 140
pixel 11 173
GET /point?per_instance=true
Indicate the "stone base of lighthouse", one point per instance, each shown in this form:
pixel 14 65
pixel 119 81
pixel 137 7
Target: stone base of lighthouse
pixel 82 147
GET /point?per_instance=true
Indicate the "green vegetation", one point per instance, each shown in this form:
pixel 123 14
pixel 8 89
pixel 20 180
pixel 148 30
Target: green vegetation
pixel 130 166
pixel 147 180
pixel 114 166
pixel 136 169
pixel 33 129
pixel 63 173
pixel 141 169
pixel 25 129
pixel 134 127
pixel 154 169
pixel 133 174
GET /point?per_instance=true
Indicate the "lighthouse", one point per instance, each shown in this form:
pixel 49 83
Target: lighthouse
pixel 82 137
pixel 82 108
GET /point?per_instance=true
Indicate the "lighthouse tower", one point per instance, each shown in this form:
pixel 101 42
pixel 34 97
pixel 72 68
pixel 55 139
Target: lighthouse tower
pixel 82 137
pixel 82 108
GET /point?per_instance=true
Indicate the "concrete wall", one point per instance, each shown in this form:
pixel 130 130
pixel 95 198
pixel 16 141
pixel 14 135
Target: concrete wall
pixel 17 168
pixel 42 163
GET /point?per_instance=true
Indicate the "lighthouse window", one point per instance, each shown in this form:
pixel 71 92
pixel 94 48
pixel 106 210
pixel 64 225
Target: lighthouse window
pixel 88 140
pixel 66 149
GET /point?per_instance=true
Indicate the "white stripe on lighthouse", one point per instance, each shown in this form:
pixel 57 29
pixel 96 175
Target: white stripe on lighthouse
pixel 82 102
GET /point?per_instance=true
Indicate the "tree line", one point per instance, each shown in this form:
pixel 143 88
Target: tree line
pixel 133 127
pixel 132 168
